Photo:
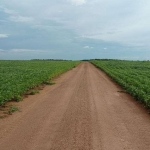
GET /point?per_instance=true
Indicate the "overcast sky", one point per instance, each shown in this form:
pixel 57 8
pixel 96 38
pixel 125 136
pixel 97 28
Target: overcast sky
pixel 75 29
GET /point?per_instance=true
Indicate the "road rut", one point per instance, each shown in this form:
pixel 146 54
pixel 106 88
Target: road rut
pixel 84 110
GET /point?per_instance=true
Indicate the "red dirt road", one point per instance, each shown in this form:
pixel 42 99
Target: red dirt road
pixel 82 111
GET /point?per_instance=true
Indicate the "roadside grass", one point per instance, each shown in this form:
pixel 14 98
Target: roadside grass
pixel 18 98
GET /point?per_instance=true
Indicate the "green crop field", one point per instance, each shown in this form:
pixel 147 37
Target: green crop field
pixel 133 76
pixel 16 77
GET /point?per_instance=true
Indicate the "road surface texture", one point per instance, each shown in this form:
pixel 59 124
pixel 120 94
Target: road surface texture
pixel 84 110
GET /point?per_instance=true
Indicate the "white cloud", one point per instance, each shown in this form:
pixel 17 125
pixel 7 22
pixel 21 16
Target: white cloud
pixel 1 50
pixel 46 27
pixel 24 50
pixel 87 47
pixel 19 18
pixel 78 2
pixel 105 48
pixel 8 11
pixel 123 22
pixel 15 16
pixel 4 35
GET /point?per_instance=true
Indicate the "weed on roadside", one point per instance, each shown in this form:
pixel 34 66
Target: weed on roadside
pixel 12 109
pixel 3 116
pixel 32 92
pixel 49 83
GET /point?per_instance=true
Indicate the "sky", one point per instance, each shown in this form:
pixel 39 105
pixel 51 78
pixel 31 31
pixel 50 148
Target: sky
pixel 75 29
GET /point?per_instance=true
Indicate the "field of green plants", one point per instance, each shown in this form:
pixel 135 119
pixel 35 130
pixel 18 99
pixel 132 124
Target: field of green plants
pixel 133 76
pixel 16 77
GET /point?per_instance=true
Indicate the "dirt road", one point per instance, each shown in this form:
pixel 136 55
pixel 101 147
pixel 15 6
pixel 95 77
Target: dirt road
pixel 84 110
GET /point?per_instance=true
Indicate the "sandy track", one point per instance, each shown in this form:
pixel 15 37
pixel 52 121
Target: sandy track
pixel 83 111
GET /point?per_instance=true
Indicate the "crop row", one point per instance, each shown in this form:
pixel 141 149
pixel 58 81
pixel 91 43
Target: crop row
pixel 16 77
pixel 133 76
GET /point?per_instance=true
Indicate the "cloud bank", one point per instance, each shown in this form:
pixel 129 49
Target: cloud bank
pixel 4 35
pixel 67 27
pixel 78 2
